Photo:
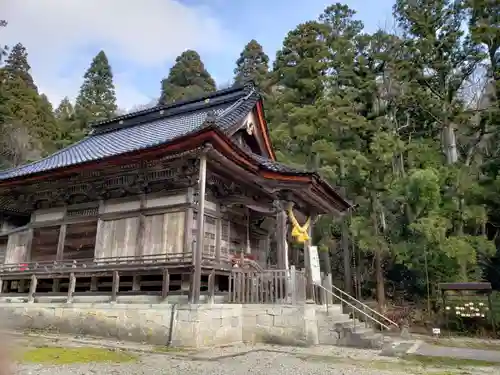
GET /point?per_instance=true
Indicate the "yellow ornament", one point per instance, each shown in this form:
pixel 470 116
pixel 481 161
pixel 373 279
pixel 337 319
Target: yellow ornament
pixel 299 232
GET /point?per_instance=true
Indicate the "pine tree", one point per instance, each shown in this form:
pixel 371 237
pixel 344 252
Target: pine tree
pixel 21 106
pixel 187 79
pixel 252 65
pixel 69 128
pixel 17 64
pixel 3 48
pixel 65 109
pixel 96 100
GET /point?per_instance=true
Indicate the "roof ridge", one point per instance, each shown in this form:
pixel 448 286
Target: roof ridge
pixel 236 104
pixel 234 88
pixel 168 112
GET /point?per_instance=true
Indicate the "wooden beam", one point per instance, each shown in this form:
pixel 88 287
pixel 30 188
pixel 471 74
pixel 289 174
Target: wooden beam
pixel 116 286
pixel 31 296
pixel 71 287
pixel 165 285
pixel 200 235
pixel 60 242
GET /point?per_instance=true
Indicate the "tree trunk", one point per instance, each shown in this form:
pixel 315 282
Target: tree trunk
pixel 450 144
pixel 379 271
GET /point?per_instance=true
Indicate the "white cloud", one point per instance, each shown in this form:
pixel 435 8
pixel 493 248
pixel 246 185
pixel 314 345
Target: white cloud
pixel 149 33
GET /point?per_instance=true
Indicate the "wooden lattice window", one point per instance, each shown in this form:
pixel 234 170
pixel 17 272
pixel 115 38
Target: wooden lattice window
pixel 84 212
pixel 210 229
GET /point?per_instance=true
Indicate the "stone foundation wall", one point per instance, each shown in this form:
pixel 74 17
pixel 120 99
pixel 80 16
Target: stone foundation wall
pixel 181 325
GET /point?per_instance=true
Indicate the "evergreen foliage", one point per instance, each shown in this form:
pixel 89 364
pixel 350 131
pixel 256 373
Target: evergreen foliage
pixel 187 79
pixel 252 65
pixel 96 100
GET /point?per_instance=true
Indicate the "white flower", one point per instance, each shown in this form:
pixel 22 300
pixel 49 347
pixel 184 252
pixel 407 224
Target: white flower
pixel 447 307
pixel 482 315
pixel 481 304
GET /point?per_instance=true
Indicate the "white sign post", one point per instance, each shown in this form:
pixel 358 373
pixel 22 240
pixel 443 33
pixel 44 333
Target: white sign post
pixel 314 264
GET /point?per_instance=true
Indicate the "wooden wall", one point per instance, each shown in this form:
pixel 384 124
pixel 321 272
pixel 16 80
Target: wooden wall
pixel 80 240
pixel 135 226
pixel 117 238
pixel 153 225
pixel 164 234
pixel 44 244
pixel 234 235
pixel 17 247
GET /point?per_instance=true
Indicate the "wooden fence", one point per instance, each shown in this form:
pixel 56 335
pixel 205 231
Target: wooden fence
pixel 269 286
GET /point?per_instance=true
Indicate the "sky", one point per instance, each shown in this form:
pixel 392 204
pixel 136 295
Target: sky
pixel 143 38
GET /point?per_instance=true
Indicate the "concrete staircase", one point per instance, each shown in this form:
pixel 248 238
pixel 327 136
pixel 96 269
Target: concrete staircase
pixel 337 328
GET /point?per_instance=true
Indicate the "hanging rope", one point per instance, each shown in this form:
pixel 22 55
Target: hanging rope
pixel 299 232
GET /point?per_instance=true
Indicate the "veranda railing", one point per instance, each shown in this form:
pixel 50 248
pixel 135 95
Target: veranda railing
pixel 268 286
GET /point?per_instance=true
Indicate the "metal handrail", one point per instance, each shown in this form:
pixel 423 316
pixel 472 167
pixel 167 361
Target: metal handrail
pixel 366 306
pixel 357 309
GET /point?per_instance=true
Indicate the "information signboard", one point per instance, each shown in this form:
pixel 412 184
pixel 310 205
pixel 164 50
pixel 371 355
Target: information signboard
pixel 314 264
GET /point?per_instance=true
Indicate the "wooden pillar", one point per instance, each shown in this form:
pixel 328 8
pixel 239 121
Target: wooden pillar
pixel 200 234
pixel 60 242
pixel 93 284
pixel 165 285
pixel 71 287
pixel 1 285
pixel 188 224
pixel 136 283
pixel 211 287
pixel 139 247
pixel 55 285
pixel 281 239
pixel 218 234
pixel 31 296
pixel 21 285
pixel 116 286
pixel 307 264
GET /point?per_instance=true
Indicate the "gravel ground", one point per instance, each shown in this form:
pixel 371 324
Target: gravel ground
pixel 268 360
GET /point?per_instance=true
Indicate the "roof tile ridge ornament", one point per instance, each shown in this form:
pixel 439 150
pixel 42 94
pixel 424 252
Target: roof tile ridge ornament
pixel 210 120
pixel 249 86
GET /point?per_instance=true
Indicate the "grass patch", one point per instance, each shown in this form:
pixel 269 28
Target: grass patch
pixel 430 365
pixel 451 343
pixel 61 356
pixel 429 361
pixel 168 349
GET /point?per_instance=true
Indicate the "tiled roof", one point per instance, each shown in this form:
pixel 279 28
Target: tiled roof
pixel 145 129
pixel 274 166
